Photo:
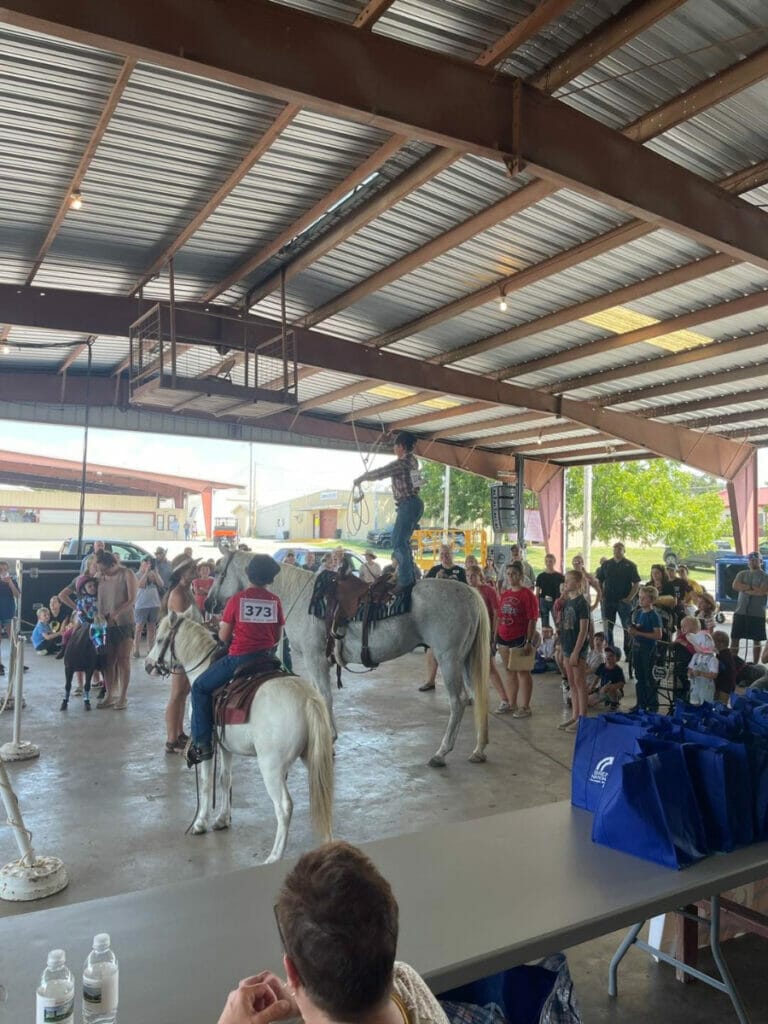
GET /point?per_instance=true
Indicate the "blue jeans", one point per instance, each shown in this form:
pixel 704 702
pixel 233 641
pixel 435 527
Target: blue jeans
pixel 614 612
pixel 220 672
pixel 409 512
pixel 643 658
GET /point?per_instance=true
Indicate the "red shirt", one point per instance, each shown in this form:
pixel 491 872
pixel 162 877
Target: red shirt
pixel 200 588
pixel 257 616
pixel 491 598
pixel 517 609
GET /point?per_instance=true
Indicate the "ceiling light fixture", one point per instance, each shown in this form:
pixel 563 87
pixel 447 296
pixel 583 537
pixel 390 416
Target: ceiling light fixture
pixel 6 350
pixel 503 303
pixel 76 200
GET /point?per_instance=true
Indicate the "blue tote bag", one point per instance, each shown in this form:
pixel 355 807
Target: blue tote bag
pixel 729 775
pixel 599 742
pixel 649 810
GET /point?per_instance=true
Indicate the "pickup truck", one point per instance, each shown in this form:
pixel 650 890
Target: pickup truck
pixel 126 550
pixel 706 559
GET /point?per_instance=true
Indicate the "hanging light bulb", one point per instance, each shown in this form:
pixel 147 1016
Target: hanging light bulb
pixel 6 350
pixel 76 201
pixel 503 303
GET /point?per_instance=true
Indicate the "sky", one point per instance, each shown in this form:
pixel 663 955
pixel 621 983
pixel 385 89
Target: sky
pixel 282 471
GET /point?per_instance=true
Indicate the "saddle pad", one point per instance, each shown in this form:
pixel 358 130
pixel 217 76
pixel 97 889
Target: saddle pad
pixel 232 702
pixel 323 589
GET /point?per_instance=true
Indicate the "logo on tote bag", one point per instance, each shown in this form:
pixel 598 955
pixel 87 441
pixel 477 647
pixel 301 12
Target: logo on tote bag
pixel 600 771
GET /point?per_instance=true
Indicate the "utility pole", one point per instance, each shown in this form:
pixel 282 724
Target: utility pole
pixel 588 516
pixel 446 503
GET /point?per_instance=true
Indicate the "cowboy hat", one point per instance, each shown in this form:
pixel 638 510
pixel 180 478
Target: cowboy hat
pixel 182 562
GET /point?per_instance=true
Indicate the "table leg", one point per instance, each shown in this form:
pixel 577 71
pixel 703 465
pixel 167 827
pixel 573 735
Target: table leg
pixel 722 966
pixel 629 940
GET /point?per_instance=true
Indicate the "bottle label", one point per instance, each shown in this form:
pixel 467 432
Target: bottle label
pixel 100 993
pixel 52 1010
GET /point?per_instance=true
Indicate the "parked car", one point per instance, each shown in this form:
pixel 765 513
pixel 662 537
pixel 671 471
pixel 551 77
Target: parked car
pixel 127 550
pixel 302 552
pixel 706 559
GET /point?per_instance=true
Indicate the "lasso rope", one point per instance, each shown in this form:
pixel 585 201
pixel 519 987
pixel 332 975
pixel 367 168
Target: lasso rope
pixel 358 513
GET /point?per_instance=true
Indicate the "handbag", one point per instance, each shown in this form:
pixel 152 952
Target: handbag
pixel 599 741
pixel 519 662
pixel 649 810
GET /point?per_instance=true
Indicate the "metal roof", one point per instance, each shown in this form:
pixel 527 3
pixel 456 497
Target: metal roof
pixel 175 138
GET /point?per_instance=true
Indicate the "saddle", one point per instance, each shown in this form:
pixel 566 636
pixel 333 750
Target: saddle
pixel 232 701
pixel 347 598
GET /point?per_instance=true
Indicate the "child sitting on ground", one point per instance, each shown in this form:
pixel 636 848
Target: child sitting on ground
pixel 727 669
pixel 595 658
pixel 702 669
pixel 610 680
pixel 545 652
pixel 44 640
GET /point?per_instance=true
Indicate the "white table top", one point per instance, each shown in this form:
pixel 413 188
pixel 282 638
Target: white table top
pixel 474 897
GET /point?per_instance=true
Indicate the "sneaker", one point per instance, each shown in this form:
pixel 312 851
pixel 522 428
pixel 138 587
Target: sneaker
pixel 425 687
pixel 196 754
pixel 522 713
pixel 78 691
pixel 503 708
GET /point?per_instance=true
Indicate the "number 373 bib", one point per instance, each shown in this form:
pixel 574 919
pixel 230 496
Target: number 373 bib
pixel 254 609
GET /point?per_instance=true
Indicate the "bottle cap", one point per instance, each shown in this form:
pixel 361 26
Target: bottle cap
pixel 101 941
pixel 56 958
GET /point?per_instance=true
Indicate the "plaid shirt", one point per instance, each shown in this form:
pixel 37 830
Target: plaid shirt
pixel 401 471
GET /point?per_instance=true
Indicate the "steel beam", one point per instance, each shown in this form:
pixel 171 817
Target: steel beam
pixel 747 179
pixel 678 387
pixel 628 22
pixel 371 13
pixel 717 402
pixel 497 424
pixel 313 348
pixel 350 389
pixel 371 411
pixel 734 307
pixel 89 152
pixel 542 15
pixel 254 154
pixel 280 52
pixel 700 97
pixel 698 354
pixel 468 409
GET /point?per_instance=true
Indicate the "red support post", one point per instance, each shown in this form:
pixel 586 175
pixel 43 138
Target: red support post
pixel 207 501
pixel 551 501
pixel 742 500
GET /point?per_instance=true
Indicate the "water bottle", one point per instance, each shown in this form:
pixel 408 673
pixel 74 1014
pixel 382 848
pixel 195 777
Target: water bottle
pixel 56 992
pixel 100 979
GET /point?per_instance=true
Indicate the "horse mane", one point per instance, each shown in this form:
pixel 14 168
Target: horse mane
pixel 289 582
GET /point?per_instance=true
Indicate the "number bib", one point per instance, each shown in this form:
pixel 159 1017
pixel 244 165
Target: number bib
pixel 253 609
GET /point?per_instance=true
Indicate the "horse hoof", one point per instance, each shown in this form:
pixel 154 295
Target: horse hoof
pixel 220 824
pixel 477 758
pixel 436 762
pixel 198 829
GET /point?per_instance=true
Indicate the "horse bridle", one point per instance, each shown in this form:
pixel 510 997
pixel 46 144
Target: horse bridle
pixel 170 642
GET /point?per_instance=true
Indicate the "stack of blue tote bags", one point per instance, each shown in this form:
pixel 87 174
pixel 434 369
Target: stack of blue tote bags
pixel 674 789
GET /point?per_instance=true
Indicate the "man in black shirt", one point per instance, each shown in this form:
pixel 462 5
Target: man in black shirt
pixel 548 585
pixel 446 568
pixel 620 581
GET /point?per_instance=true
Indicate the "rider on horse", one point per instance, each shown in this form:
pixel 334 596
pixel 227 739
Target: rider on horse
pixel 251 624
pixel 406 483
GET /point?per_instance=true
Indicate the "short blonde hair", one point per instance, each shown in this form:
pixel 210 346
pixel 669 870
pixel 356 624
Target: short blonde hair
pixel 652 591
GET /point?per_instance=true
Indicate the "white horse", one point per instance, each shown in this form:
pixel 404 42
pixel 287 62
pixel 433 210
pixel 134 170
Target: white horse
pixel 447 616
pixel 287 720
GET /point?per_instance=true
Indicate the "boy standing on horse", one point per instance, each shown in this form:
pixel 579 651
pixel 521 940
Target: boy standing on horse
pixel 252 623
pixel 406 483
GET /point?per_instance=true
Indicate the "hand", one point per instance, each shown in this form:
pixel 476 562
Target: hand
pixel 633 630
pixel 256 1001
pixel 527 647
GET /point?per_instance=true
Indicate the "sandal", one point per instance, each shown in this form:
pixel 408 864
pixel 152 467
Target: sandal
pixel 172 748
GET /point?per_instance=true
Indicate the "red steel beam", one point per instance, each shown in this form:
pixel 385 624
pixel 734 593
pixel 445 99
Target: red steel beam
pixel 542 15
pixel 371 13
pixel 88 154
pixel 283 53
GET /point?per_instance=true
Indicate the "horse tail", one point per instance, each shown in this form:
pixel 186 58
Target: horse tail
pixel 479 664
pixel 319 762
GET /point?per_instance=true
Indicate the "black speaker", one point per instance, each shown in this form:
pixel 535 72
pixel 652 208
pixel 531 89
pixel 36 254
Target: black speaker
pixel 726 570
pixel 504 508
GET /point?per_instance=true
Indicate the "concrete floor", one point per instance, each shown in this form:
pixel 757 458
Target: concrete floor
pixel 106 798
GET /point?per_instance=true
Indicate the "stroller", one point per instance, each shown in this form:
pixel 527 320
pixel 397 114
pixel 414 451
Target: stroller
pixel 664 671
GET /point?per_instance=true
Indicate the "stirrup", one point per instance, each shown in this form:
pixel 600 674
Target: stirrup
pixel 196 755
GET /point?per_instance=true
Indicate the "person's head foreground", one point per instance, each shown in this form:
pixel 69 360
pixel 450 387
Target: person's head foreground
pixel 338 920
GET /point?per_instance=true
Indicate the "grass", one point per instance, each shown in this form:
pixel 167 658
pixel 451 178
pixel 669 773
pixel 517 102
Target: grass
pixel 643 558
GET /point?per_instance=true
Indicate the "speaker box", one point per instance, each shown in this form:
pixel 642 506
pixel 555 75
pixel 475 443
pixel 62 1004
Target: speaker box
pixel 504 508
pixel 726 570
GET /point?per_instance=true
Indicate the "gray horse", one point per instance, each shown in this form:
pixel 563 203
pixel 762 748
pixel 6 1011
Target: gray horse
pixel 447 616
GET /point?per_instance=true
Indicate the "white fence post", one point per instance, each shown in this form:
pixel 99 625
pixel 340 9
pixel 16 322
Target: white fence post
pixel 30 877
pixel 18 749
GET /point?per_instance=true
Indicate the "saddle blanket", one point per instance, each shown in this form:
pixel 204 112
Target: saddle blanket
pixel 232 702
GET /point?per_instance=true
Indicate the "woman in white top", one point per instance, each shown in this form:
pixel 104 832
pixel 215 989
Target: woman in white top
pixel 338 922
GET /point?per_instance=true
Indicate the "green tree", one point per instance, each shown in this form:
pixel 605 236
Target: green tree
pixel 470 496
pixel 651 502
